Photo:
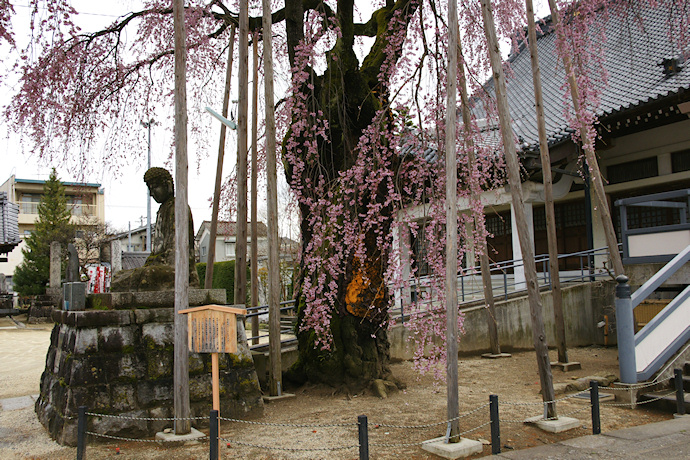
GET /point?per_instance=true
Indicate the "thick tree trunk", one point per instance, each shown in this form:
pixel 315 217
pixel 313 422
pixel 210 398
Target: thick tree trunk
pixel 349 96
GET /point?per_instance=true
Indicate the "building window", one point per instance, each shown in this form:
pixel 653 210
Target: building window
pixel 203 250
pixel 680 161
pixel 229 249
pixel 420 251
pixel 30 203
pixel 633 170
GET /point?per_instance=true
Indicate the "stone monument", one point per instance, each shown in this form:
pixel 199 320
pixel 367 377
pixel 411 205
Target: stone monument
pixel 158 273
pixel 72 274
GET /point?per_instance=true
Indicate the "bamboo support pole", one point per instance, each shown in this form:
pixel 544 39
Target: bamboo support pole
pixel 474 200
pixel 538 330
pixel 181 353
pixel 453 408
pixel 275 377
pixel 254 194
pixel 548 189
pixel 588 146
pixel 242 109
pixel 211 257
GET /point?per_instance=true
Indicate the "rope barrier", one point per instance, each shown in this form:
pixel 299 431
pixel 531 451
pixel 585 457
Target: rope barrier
pixel 638 403
pixel 541 403
pixel 291 425
pixel 420 443
pixel 638 386
pixel 290 449
pixel 146 418
pixel 362 422
pixel 429 425
pixel 121 438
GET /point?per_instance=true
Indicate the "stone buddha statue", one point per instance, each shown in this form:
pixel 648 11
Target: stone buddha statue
pixel 158 273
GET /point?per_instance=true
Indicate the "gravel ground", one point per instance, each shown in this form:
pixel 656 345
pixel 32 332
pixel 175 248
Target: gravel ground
pixel 422 403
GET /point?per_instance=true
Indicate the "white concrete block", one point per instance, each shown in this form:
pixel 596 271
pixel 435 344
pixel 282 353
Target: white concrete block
pixel 462 449
pixel 555 426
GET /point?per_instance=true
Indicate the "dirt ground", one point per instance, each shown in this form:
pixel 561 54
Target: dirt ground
pixel 394 431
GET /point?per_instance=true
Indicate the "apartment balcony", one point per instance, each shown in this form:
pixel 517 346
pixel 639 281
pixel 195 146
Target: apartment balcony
pixel 28 212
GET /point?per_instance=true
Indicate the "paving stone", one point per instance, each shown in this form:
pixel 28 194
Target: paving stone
pixel 20 402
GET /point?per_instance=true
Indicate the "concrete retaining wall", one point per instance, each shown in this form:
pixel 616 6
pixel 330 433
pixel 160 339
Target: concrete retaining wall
pixel 584 305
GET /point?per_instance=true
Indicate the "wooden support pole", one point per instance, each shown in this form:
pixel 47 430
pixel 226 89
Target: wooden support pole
pixel 453 408
pixel 275 377
pixel 211 257
pixel 215 381
pixel 538 330
pixel 254 180
pixel 474 204
pixel 181 353
pixel 588 145
pixel 242 109
pixel 548 189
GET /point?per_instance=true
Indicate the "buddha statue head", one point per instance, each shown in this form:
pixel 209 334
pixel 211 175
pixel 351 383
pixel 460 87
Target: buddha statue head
pixel 160 183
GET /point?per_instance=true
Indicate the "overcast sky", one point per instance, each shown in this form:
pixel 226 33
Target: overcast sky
pixel 125 194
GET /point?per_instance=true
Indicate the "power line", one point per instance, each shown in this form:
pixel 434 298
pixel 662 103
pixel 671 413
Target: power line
pixel 78 12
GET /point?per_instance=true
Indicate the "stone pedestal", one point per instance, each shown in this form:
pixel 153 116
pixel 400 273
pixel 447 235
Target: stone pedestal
pixel 120 362
pixel 74 296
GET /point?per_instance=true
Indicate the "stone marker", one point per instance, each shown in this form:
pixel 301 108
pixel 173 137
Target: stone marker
pixel 72 274
pixel 55 265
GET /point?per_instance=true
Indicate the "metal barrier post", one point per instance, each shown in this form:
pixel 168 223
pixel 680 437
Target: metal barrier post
pixel 680 397
pixel 363 437
pixel 625 330
pixel 213 436
pixel 594 400
pixel 505 284
pixel 495 427
pixel 81 433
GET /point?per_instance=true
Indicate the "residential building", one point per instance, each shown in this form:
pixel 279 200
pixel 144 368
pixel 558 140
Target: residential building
pixel 133 240
pixel 225 250
pixel 226 235
pixel 86 201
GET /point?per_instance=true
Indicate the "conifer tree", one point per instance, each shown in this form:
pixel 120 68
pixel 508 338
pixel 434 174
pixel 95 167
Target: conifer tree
pixel 53 224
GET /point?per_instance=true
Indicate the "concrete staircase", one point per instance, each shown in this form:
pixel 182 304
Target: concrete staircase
pixel 665 401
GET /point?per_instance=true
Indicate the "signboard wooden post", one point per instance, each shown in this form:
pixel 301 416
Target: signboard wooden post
pixel 213 329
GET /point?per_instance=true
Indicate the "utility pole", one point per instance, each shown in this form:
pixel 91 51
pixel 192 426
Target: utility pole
pixel 181 350
pixel 147 125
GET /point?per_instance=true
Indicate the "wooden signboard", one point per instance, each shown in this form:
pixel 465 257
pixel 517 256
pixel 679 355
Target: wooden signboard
pixel 213 329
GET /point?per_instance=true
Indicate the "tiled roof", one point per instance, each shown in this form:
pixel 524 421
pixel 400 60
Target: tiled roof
pixel 633 51
pixel 132 260
pixel 230 228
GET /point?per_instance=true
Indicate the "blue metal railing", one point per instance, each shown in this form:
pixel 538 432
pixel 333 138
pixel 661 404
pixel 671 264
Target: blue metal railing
pixel 262 310
pixel 501 272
